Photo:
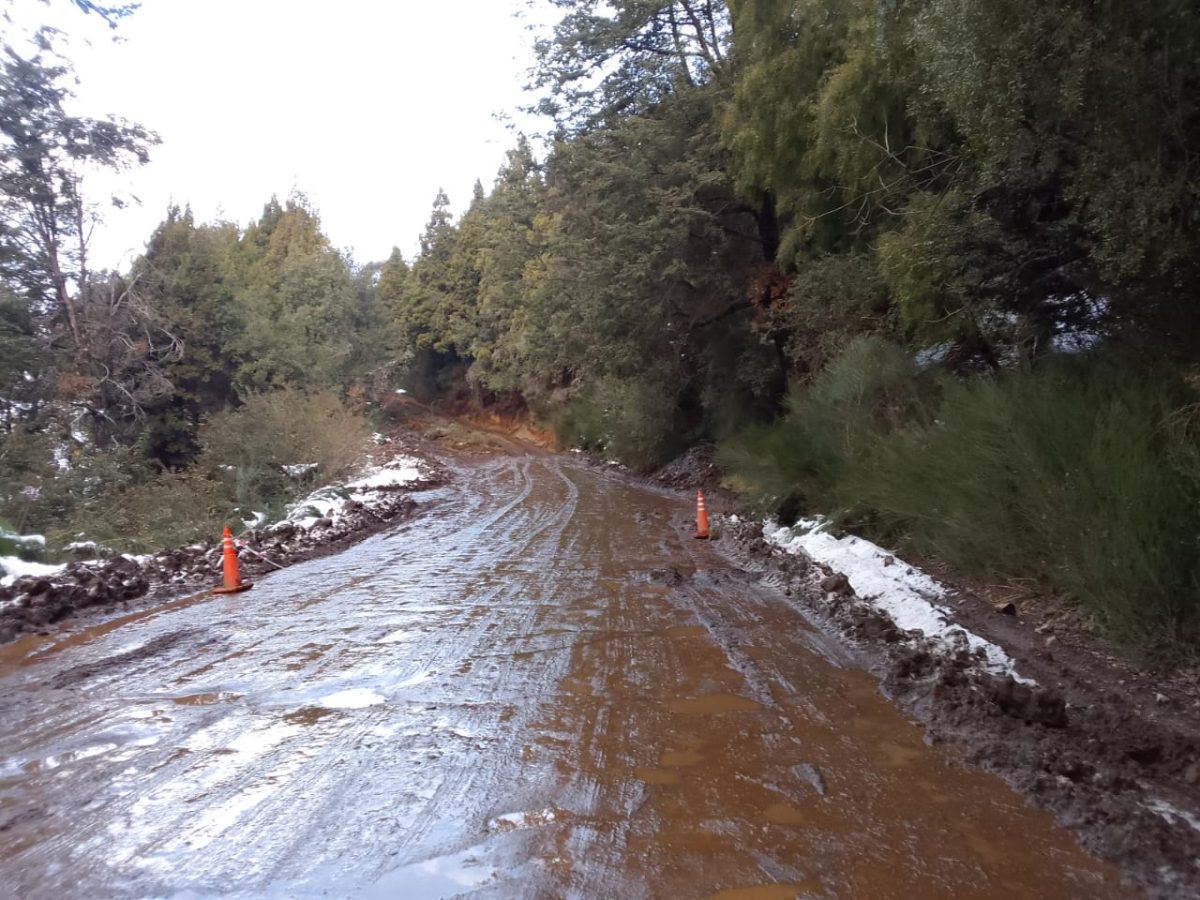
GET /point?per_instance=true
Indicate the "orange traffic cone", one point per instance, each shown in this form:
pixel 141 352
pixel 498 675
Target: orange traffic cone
pixel 701 517
pixel 229 565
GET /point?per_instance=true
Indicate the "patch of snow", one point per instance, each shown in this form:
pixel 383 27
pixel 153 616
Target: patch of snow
pixel 397 637
pixel 321 503
pixel 300 470
pixel 14 568
pixel 378 439
pixel 62 457
pixel 414 680
pixel 401 391
pixel 256 519
pixel 400 471
pixel 933 354
pixel 75 546
pixel 354 698
pixel 25 541
pixel 908 596
pixel 259 741
pixel 1174 813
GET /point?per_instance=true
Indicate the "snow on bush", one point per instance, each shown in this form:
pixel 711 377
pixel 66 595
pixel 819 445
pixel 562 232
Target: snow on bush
pixel 327 502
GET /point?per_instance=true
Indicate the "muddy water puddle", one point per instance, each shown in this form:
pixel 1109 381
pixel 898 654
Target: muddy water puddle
pixel 547 689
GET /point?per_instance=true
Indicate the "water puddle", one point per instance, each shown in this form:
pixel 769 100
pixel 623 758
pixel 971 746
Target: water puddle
pixel 689 757
pixel 712 704
pixel 57 760
pixel 787 814
pixel 311 715
pixel 657 776
pixel 433 879
pixel 306 654
pixel 685 631
pixel 35 648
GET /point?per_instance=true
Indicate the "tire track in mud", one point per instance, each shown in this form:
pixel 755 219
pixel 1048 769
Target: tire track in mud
pixel 544 688
pixel 347 738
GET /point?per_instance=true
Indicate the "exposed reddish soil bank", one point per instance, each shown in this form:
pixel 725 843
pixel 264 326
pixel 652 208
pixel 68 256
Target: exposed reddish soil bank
pixel 31 604
pixel 1121 771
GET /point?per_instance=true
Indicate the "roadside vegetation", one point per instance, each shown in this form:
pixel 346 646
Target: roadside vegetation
pixel 251 461
pixel 1079 476
pixel 926 267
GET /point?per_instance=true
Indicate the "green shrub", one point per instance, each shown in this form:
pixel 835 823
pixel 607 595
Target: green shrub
pixel 1070 475
pixel 287 427
pixel 580 425
pixel 831 424
pixel 635 420
pixel 115 498
pixel 1083 474
pixel 168 510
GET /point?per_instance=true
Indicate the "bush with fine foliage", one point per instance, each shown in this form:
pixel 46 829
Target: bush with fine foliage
pixel 126 506
pixel 634 420
pixel 287 427
pixel 1082 475
pixel 1071 476
pixel 798 462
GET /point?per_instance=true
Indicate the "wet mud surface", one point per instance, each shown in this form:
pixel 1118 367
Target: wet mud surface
pixel 543 688
pixel 1120 773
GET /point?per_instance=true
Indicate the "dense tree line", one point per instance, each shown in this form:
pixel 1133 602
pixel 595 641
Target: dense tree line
pixel 927 265
pixel 729 194
pixel 842 221
pixel 732 193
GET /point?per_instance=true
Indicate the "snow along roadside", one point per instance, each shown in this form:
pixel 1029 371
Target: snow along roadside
pixel 330 502
pixel 903 593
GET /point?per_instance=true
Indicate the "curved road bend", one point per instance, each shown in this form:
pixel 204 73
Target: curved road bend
pixel 509 696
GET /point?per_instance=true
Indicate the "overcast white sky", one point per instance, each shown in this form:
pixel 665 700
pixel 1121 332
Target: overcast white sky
pixel 367 106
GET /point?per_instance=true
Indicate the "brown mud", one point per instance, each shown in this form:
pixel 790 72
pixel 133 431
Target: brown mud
pixel 546 689
pixel 1112 764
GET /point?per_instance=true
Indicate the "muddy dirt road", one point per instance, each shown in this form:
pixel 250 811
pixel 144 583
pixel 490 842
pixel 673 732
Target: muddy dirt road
pixel 542 687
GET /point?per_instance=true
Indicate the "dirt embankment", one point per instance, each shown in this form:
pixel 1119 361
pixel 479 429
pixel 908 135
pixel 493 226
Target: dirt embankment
pixel 32 604
pixel 1123 774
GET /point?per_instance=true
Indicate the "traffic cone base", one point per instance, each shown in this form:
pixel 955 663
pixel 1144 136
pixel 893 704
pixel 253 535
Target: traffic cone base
pixel 701 517
pixel 232 578
pixel 236 589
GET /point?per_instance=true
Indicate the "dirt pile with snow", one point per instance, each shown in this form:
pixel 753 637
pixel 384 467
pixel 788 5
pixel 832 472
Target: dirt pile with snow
pixel 31 599
pixel 1127 781
pixel 694 470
